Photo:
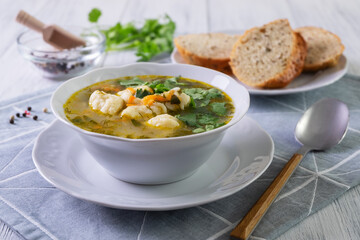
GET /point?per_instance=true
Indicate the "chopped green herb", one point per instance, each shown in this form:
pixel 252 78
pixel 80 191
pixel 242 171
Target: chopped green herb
pixel 209 127
pixel 94 15
pixel 195 93
pixel 214 93
pixel 153 38
pixel 160 88
pixel 141 93
pixel 219 108
pixel 198 130
pixel 132 82
pixel 201 96
pixel 189 119
pixel 205 119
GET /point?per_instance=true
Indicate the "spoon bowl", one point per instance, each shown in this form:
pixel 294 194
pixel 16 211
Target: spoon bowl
pixel 322 126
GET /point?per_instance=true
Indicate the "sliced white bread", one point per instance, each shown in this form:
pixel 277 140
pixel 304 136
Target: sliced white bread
pixel 270 56
pixel 323 48
pixel 210 50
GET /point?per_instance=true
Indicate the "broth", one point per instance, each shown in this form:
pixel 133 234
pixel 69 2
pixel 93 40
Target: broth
pixel 193 106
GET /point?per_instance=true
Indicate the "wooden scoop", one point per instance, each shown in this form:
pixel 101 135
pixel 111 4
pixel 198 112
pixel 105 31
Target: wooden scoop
pixel 52 34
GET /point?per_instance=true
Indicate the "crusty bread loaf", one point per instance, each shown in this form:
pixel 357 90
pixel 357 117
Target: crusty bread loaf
pixel 210 50
pixel 323 48
pixel 270 56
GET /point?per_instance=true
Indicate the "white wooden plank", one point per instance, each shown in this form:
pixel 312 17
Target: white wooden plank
pixel 239 15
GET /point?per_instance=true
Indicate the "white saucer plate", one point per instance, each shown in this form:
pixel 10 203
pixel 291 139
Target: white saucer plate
pixel 244 154
pixel 305 82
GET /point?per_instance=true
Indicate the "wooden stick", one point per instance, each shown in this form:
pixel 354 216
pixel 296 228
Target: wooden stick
pixel 247 225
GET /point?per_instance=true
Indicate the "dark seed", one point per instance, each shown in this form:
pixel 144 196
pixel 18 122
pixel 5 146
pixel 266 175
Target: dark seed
pixel 12 121
pixel 35 117
pixel 29 108
pixel 18 115
pixel 24 114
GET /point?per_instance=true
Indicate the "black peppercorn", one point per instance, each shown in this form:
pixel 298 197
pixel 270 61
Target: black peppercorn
pixel 29 108
pixel 24 114
pixel 17 114
pixel 35 117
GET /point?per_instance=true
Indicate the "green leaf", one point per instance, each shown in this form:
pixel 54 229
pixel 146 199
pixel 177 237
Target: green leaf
pixel 94 15
pixel 218 108
pixel 195 93
pixel 160 88
pixel 189 119
pixel 198 130
pixel 205 119
pixel 153 38
pixel 132 82
pixel 209 127
pixel 141 93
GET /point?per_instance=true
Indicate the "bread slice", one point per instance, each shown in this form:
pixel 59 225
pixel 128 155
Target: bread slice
pixel 323 48
pixel 270 56
pixel 210 50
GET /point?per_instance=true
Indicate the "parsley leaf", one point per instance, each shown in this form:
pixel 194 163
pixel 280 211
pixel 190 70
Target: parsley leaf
pixel 219 108
pixel 205 119
pixel 94 15
pixel 201 96
pixel 132 82
pixel 189 119
pixel 214 93
pixel 153 38
pixel 141 93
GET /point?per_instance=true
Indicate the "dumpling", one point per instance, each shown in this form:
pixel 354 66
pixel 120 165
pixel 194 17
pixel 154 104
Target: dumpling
pixel 125 94
pixel 178 100
pixel 137 112
pixel 158 108
pixel 164 121
pixel 106 103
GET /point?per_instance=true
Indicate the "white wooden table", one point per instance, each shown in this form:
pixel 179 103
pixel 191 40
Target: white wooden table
pixel 339 220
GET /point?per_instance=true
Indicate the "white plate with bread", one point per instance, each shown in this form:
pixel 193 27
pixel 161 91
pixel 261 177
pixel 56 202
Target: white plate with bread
pixel 270 60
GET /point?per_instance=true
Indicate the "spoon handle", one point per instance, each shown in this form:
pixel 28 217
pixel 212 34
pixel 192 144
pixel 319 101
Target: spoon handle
pixel 252 218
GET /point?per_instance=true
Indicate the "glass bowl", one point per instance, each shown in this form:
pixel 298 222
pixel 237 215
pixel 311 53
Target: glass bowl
pixel 63 64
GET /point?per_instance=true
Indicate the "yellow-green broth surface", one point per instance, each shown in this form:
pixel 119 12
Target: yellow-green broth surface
pixel 209 108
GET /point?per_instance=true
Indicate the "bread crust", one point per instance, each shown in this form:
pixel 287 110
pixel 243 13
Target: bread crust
pixel 293 67
pixel 330 62
pixel 219 64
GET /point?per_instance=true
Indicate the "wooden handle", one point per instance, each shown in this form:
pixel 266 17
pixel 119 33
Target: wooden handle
pixel 253 217
pixel 29 21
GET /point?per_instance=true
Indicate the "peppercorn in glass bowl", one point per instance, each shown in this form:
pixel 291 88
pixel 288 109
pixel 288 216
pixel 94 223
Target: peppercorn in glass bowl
pixel 63 64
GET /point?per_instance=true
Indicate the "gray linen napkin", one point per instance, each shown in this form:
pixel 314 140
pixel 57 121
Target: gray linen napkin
pixel 37 210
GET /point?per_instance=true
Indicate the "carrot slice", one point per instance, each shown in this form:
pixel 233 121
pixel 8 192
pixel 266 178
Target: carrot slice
pixel 150 99
pixel 131 90
pixel 131 99
pixel 131 104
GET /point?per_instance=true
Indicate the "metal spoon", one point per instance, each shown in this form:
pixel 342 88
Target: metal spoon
pixel 322 126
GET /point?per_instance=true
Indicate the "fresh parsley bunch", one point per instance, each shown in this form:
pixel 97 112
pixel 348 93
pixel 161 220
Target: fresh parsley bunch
pixel 153 38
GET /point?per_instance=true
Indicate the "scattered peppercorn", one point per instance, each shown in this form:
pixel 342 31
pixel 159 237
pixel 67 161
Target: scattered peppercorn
pixel 12 121
pixel 18 115
pixel 29 108
pixel 45 110
pixel 24 114
pixel 35 117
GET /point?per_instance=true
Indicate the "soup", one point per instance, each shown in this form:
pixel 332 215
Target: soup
pixel 149 107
